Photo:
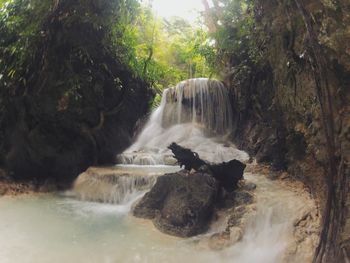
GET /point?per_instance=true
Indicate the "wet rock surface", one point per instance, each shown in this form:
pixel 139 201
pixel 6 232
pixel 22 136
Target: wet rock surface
pixel 232 213
pixel 180 204
pixel 283 115
pixel 10 187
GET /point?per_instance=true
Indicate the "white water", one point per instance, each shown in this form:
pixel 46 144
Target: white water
pixel 117 184
pixel 195 114
pixel 270 232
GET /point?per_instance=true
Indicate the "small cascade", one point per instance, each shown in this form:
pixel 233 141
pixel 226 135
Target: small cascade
pixel 196 114
pixel 112 188
pixel 116 185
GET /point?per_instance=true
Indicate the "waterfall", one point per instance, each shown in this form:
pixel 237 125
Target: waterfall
pixel 197 114
pixel 117 185
pixel 198 101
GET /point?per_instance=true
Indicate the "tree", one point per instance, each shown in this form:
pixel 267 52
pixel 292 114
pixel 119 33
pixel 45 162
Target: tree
pixel 67 88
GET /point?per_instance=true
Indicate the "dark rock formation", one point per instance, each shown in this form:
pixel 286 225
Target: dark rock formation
pixel 227 173
pixel 180 204
pixel 236 198
pixel 293 110
pixel 80 102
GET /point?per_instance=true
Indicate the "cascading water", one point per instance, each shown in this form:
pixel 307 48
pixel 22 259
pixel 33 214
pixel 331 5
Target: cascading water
pixel 196 114
pixel 117 185
pixel 200 102
pixel 112 188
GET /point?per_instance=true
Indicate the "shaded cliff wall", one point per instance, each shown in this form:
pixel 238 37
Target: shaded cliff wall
pixel 294 110
pixel 79 103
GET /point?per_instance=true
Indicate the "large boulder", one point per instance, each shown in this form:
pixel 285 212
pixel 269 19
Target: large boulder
pixel 180 204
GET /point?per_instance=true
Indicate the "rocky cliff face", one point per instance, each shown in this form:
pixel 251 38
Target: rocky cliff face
pixel 294 111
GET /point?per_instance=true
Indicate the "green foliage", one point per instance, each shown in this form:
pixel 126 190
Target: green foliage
pixel 20 23
pixel 66 88
pixel 236 36
pixel 69 49
pixel 22 30
pixel 164 52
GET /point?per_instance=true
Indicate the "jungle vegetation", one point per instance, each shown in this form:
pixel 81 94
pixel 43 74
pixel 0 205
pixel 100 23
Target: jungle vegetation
pixel 160 51
pixel 76 75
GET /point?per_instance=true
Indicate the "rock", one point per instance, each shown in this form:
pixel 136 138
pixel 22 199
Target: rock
pixel 240 216
pixel 227 173
pixel 249 186
pixel 225 239
pixel 219 241
pixel 169 160
pixel 11 187
pixel 3 190
pixel 236 234
pixel 283 117
pixel 273 176
pixel 346 248
pixel 243 197
pixel 180 204
pixel 284 176
pixel 48 186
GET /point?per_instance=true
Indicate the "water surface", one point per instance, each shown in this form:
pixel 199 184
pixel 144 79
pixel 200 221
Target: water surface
pixel 57 228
